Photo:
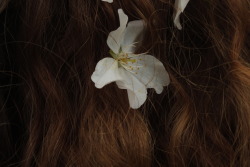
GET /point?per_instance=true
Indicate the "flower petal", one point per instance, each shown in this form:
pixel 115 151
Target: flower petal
pixel 106 71
pixel 132 36
pixel 115 37
pixel 109 1
pixel 136 98
pixel 123 18
pixel 137 92
pixel 179 6
pixel 149 71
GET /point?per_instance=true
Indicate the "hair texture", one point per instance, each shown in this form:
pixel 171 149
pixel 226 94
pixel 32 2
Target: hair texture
pixel 52 114
pixel 3 5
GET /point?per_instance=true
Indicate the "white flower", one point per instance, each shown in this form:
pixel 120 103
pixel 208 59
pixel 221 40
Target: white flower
pixel 179 6
pixel 134 72
pixel 109 1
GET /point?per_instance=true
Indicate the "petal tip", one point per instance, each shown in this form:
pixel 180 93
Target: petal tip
pixel 109 1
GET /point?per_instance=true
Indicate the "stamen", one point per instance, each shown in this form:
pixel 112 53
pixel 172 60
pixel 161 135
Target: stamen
pixel 125 58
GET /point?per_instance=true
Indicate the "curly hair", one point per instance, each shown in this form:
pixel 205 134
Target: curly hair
pixel 52 115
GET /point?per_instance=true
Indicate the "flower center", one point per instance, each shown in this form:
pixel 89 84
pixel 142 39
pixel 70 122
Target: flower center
pixel 122 58
pixel 127 61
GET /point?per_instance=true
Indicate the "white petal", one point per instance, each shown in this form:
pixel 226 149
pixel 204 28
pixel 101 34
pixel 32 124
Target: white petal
pixel 179 6
pixel 106 71
pixel 136 99
pixel 137 92
pixel 123 18
pixel 109 1
pixel 115 37
pixel 133 36
pixel 150 71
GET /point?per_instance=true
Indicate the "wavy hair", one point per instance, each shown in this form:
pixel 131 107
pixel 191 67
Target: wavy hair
pixel 52 115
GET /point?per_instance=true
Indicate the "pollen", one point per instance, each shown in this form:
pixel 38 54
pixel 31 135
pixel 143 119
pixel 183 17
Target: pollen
pixel 124 58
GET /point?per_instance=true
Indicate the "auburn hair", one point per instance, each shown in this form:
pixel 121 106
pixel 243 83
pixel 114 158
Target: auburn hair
pixel 52 114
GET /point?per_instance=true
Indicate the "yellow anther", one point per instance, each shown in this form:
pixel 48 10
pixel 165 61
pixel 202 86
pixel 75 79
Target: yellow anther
pixel 126 60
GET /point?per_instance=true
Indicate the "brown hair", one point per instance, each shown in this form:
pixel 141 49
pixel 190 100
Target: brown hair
pixel 3 5
pixel 52 115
